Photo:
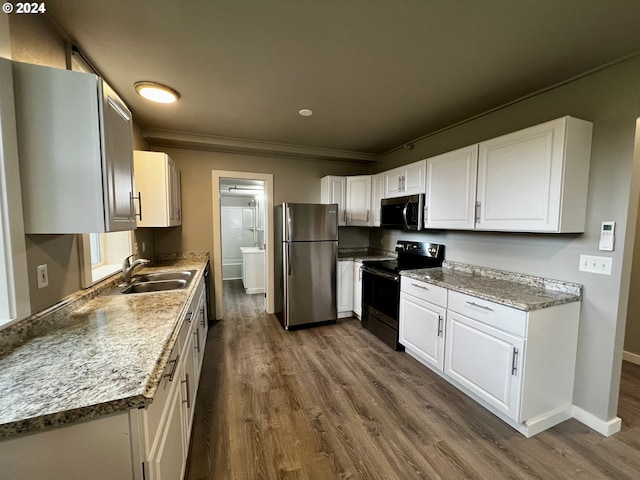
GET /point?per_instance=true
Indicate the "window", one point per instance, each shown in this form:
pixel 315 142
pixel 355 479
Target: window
pixel 102 254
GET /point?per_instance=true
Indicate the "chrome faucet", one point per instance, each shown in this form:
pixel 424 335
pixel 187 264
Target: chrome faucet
pixel 127 268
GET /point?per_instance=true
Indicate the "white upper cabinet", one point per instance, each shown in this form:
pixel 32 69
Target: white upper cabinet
pixel 406 180
pixel 377 192
pixel 535 180
pixel 76 154
pixel 451 189
pixel 157 181
pixel 333 189
pixel 359 200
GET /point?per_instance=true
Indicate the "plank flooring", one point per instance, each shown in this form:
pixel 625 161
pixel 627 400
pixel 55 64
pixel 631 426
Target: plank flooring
pixel 333 402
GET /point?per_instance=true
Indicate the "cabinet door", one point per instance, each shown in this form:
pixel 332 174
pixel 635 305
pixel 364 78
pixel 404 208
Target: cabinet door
pixel 527 179
pixel 451 189
pixel 486 361
pixel 357 289
pixel 168 460
pixel 359 200
pixel 345 288
pixel 377 194
pixel 393 183
pixel 175 195
pixel 413 178
pixel 334 190
pixel 189 383
pixel 421 330
pixel 118 163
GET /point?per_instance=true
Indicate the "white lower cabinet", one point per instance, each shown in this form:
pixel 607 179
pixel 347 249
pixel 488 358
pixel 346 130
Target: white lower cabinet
pixel 149 443
pixel 422 321
pixel 487 361
pixel 357 289
pixel 520 365
pixel 344 288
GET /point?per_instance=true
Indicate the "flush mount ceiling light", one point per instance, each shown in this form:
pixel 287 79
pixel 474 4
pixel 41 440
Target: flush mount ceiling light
pixel 305 112
pixel 156 92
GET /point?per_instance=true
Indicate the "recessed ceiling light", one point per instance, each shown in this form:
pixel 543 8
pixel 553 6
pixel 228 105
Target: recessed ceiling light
pixel 156 92
pixel 305 112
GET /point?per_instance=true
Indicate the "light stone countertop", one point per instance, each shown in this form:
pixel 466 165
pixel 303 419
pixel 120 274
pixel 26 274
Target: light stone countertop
pixel 106 355
pixel 522 292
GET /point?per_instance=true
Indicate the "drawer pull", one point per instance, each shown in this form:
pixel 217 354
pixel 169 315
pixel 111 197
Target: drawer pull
pixel 189 315
pixel 197 345
pixel 419 286
pixel 187 400
pixel 202 316
pixel 480 306
pixel 173 370
pixel 514 361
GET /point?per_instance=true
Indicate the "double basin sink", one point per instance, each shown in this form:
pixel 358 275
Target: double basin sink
pixel 157 282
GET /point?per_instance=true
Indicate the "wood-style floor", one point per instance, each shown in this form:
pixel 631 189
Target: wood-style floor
pixel 333 402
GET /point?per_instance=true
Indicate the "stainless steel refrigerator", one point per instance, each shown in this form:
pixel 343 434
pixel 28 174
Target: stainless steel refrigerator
pixel 306 260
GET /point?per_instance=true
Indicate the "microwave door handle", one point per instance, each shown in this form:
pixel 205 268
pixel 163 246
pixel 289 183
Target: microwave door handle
pixel 404 214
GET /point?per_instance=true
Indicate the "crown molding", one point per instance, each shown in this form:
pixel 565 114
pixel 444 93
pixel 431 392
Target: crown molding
pixel 168 138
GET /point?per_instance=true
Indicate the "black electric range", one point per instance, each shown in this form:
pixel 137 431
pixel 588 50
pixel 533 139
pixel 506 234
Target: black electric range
pixel 381 287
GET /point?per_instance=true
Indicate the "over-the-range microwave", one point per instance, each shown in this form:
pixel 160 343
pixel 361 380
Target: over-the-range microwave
pixel 402 212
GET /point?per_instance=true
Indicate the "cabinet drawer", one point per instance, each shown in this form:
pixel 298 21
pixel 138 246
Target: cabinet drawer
pixel 424 291
pixel 499 316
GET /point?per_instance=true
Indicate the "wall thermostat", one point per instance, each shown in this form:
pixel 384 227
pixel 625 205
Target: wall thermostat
pixel 607 235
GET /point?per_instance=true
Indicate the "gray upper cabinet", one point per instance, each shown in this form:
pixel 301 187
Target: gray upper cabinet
pixel 76 152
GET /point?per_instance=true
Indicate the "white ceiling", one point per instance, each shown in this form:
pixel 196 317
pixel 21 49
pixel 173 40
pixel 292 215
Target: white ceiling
pixel 377 73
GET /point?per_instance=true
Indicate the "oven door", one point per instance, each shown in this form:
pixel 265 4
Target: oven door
pixel 380 305
pixel 402 212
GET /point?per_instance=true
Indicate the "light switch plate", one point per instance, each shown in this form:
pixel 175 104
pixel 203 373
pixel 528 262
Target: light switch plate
pixel 594 264
pixel 43 276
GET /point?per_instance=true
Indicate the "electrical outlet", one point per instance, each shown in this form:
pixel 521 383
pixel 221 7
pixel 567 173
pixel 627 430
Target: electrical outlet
pixel 594 264
pixel 43 276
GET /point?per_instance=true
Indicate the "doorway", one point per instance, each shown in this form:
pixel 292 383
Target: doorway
pixel 242 231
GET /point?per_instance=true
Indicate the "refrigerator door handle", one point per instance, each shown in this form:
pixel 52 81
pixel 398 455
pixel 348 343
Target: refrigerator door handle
pixel 288 259
pixel 288 228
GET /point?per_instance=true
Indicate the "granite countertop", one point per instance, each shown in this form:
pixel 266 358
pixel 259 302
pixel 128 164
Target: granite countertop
pixel 522 292
pixel 364 254
pixel 106 355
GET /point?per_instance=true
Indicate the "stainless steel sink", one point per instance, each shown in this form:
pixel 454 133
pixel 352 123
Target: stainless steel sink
pixel 159 276
pixel 155 286
pixel 156 282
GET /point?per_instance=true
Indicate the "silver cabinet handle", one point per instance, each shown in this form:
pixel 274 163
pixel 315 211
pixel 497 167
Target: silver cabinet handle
pixel 514 361
pixel 189 315
pixel 188 399
pixel 197 341
pixel 478 206
pixel 419 286
pixel 173 370
pixel 139 198
pixel 439 325
pixel 367 220
pixel 480 306
pixel 202 316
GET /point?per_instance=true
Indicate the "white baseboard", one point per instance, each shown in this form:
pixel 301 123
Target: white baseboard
pixel 606 428
pixel 631 357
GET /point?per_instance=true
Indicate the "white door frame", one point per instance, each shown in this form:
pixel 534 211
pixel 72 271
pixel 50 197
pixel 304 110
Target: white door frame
pixel 267 178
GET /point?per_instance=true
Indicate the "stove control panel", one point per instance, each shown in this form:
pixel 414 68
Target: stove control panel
pixel 424 249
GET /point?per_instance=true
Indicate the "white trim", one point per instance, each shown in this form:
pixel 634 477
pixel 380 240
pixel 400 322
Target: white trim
pixel 216 259
pixel 14 286
pixel 168 138
pixel 603 427
pixel 631 357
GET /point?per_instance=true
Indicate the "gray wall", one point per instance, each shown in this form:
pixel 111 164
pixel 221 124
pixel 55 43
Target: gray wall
pixel 611 100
